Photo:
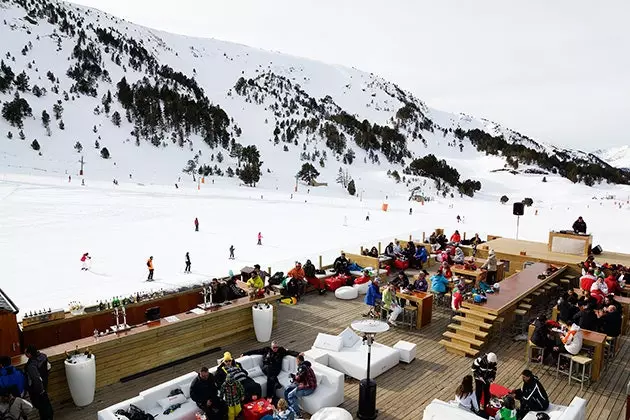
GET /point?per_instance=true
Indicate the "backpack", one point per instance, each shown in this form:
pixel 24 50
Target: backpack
pixel 276 279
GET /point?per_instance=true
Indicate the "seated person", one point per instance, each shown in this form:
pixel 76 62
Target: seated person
pixel 410 250
pixel 446 269
pixel 587 280
pixel 532 395
pixel 233 291
pixel 439 283
pixel 572 340
pixel 542 337
pixel 364 278
pixel 398 251
pixel 609 321
pixel 567 308
pixel 233 368
pixel 420 257
pixel 311 277
pixel 420 284
pixel 373 252
pixel 507 410
pixel 11 377
pixel 433 238
pixel 282 411
pixel 456 238
pixel 296 283
pixel 389 250
pixel 341 264
pixel 465 396
pixel 401 281
pixel 297 272
pixel 610 300
pixel 459 256
pixel 219 291
pixel 612 284
pixel 586 318
pixel 599 290
pixel 256 284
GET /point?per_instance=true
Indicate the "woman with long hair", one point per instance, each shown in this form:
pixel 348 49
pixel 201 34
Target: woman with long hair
pixel 465 395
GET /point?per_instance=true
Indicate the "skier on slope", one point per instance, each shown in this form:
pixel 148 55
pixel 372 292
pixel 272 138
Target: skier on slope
pixel 85 260
pixel 232 252
pixel 150 266
pixel 196 225
pixel 259 238
pixel 187 269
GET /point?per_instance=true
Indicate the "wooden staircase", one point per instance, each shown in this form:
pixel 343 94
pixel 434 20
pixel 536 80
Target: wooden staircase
pixel 469 331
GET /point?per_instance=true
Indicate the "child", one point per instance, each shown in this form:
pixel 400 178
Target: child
pixel 233 394
pixel 508 411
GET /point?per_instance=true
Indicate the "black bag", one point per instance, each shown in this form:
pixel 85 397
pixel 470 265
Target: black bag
pixel 294 288
pixel 320 271
pixel 276 279
pixel 597 250
pixel 135 413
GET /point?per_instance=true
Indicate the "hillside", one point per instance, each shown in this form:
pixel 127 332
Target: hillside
pixel 75 81
pixel 618 157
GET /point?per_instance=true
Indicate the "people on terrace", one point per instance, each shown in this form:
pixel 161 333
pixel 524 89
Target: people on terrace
pixel 282 411
pixel 401 281
pixel 373 294
pixel 587 280
pixel 420 284
pixel 610 321
pixel 303 383
pixel 456 238
pixel 272 364
pixel 532 395
pixel 459 256
pixel 420 257
pixel 311 277
pixel 439 283
pixel 233 368
pixel 465 396
pixel 579 226
pixel 491 266
pixel 484 371
pixel 341 263
pixel 205 394
pixel 389 250
pixel 391 304
pixel 572 340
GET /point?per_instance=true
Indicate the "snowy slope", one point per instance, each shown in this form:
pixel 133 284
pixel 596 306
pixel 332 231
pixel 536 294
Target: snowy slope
pixel 618 157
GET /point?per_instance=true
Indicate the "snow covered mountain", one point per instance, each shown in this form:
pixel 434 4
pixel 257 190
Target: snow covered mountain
pixel 618 157
pixel 132 102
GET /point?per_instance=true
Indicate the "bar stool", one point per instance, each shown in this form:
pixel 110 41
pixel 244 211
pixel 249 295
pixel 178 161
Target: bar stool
pixel 525 306
pixel 531 347
pixel 520 321
pixel 585 362
pixel 567 357
pixel 565 284
pixel 609 350
pixel 573 279
pixel 409 316
pixel 497 329
pixel 555 289
pixel 537 299
pixel 446 302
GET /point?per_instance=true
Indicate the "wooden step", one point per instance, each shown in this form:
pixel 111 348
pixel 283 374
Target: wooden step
pixel 475 323
pixel 455 338
pixel 524 306
pixel 471 331
pixel 569 277
pixel 459 349
pixel 478 314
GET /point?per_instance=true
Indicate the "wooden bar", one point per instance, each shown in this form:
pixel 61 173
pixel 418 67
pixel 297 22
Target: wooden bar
pixel 424 302
pixel 148 346
pixel 570 243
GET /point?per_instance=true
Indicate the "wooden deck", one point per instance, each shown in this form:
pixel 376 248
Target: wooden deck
pixel 404 391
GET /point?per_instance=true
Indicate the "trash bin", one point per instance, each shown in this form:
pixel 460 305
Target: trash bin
pixel 81 376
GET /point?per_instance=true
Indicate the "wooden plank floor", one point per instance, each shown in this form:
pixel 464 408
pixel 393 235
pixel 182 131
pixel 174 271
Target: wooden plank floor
pixel 405 390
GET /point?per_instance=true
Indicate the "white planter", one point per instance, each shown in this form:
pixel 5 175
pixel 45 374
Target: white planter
pixel 81 376
pixel 263 321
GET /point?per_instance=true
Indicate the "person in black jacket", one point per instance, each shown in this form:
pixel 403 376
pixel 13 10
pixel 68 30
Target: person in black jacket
pixel 311 276
pixel 236 371
pixel 272 364
pixel 484 371
pixel 610 321
pixel 204 393
pixel 586 318
pixel 341 264
pixel 579 226
pixel 532 395
pixel 542 337
pixel 233 291
pixel 567 308
pixel 36 370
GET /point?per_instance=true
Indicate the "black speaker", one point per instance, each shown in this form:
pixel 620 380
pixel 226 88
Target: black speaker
pixel 152 314
pixel 518 209
pixel 597 250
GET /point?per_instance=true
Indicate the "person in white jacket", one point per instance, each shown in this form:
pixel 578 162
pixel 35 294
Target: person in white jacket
pixel 464 395
pixel 572 340
pixel 459 256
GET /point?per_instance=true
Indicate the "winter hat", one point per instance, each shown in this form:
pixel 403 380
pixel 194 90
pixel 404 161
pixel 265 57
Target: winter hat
pixel 227 356
pixel 492 358
pixel 491 252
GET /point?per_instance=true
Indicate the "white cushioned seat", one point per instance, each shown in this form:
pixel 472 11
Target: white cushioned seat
pixel 406 350
pixel 346 293
pixel 332 413
pixel 362 288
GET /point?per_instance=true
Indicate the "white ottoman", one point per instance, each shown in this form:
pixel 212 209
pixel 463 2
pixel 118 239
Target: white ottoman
pixel 317 355
pixel 362 288
pixel 346 293
pixel 331 413
pixel 406 351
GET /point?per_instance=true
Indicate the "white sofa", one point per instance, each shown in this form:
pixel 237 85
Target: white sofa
pixel 330 383
pixel 347 354
pixel 440 410
pixel 150 399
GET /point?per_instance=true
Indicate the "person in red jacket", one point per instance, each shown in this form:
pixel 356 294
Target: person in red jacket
pixel 85 259
pixel 364 278
pixel 587 280
pixel 456 238
pixel 196 225
pixel 613 284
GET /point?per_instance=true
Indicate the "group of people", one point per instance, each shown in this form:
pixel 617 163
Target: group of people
pixel 18 386
pixel 221 395
pixel 416 255
pixel 531 396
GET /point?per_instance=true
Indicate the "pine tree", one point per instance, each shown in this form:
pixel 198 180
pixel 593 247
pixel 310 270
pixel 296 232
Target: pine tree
pixel 97 145
pixel 308 173
pixel 35 145
pixel 21 82
pixel 116 118
pixel 15 111
pixel 352 190
pixel 78 147
pixel 62 126
pixel 22 136
pixel 105 153
pixel 57 110
pixel 230 172
pixel 45 119
pixel 219 157
pixel 9 135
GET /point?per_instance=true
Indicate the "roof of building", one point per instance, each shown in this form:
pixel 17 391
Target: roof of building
pixel 7 304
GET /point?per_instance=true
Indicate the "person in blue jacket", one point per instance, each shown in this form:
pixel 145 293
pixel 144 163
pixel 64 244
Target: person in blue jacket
pixel 11 377
pixel 373 294
pixel 420 256
pixel 439 283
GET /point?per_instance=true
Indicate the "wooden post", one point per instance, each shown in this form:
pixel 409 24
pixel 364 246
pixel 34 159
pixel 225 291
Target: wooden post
pixel 320 262
pixel 410 238
pixel 361 249
pixel 379 247
pixel 269 271
pixel 423 237
pixel 464 235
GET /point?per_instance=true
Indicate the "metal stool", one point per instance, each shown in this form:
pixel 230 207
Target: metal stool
pixel 568 357
pixel 586 363
pixel 497 329
pixel 531 347
pixel 409 316
pixel 609 350
pixel 565 284
pixel 520 321
pixel 446 302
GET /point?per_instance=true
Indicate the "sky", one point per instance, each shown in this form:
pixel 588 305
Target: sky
pixel 555 71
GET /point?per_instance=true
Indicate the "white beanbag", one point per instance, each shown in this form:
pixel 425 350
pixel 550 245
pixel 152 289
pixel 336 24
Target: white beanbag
pixel 346 293
pixel 332 413
pixel 362 288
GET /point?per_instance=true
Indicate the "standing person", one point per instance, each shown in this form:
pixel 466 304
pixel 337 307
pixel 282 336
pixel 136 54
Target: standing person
pixel 233 395
pixel 187 268
pixel 150 266
pixel 491 266
pixel 272 364
pixel 459 219
pixel 484 371
pixel 579 226
pixel 12 377
pixel 12 406
pixel 205 394
pixel 367 217
pixel 36 370
pixel 532 395
pixel 196 223
pixel 303 383
pixel 410 211
pixel 259 238
pixel 85 260
pixel 232 252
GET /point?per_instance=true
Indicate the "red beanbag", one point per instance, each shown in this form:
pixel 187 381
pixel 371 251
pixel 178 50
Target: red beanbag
pixel 401 265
